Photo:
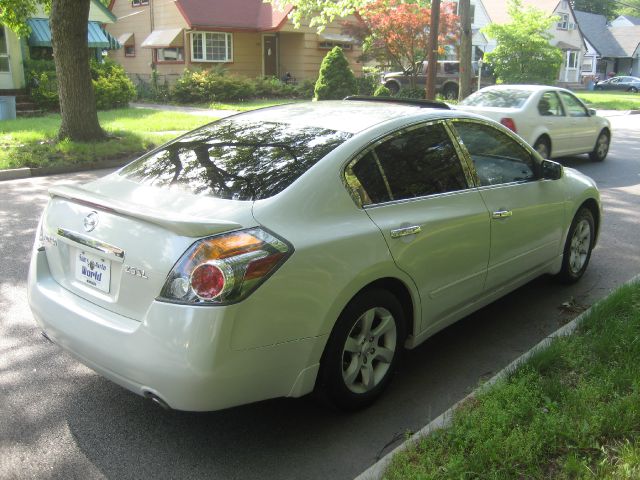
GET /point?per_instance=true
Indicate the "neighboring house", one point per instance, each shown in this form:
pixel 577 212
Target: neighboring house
pixel 479 19
pixel 565 33
pixel 245 37
pixel 14 50
pixel 613 48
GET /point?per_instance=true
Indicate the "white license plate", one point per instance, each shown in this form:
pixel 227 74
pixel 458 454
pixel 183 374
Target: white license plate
pixel 93 270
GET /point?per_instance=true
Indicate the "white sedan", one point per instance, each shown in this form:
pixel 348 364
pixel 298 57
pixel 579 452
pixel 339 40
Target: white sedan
pixel 551 119
pixel 300 247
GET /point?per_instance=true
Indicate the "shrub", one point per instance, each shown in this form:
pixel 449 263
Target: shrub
pixel 408 92
pixel 382 91
pixel 305 89
pixel 336 80
pixel 111 85
pixel 271 87
pixel 367 85
pixel 212 86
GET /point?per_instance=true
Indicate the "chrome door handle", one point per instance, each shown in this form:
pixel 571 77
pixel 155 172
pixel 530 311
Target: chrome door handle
pixel 404 231
pixel 502 214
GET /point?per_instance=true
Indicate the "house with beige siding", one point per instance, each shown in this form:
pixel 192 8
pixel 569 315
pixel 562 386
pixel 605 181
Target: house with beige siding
pixel 245 37
pixel 565 33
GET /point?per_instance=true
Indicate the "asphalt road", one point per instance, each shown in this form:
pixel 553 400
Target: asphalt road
pixel 58 419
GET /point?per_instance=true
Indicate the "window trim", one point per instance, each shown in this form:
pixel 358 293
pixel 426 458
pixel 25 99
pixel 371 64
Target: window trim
pixel 164 62
pixel 229 49
pixel 129 55
pixel 469 174
pixel 563 24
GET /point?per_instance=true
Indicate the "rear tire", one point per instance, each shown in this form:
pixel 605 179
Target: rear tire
pixel 363 350
pixel 393 87
pixel 633 90
pixel 601 149
pixel 450 92
pixel 543 147
pixel 577 248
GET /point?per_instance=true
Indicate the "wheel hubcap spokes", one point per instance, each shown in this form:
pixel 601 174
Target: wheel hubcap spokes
pixel 603 145
pixel 369 350
pixel 542 150
pixel 579 249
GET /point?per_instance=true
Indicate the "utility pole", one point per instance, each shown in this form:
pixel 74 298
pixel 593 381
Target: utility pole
pixel 465 49
pixel 432 56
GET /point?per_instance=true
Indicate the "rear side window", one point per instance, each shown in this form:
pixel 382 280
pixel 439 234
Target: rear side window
pixel 497 157
pixel 505 98
pixel 236 159
pixel 414 163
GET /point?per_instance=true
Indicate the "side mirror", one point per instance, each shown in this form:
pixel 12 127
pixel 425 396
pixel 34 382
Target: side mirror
pixel 551 170
pixel 592 112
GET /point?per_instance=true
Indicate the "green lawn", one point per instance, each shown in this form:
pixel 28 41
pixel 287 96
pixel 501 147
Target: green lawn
pixel 610 100
pixel 30 142
pixel 571 412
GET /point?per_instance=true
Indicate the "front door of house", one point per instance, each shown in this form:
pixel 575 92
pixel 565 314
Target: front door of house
pixel 270 55
pixel 6 81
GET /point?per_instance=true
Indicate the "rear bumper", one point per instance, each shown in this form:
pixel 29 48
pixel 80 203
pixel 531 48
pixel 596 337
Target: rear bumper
pixel 181 354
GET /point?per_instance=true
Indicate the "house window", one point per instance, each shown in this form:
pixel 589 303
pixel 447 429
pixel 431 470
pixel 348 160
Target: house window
pixel 129 50
pixel 587 65
pixel 563 24
pixel 473 11
pixel 330 45
pixel 139 3
pixel 211 47
pixel 172 54
pixel 572 59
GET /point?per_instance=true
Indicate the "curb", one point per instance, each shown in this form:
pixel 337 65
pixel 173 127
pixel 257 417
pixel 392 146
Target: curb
pixel 19 173
pixel 377 470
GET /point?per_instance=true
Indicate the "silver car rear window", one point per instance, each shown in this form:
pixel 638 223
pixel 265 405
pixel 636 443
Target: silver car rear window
pixel 498 98
pixel 236 159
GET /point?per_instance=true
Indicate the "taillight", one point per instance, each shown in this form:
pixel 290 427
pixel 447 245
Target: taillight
pixel 509 123
pixel 225 268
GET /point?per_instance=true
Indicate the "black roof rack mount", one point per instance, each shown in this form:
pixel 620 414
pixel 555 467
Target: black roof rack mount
pixel 401 101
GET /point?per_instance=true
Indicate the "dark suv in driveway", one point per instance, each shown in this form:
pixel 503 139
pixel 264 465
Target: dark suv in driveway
pixel 447 78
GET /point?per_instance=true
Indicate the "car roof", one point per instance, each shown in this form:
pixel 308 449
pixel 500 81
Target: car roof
pixel 342 115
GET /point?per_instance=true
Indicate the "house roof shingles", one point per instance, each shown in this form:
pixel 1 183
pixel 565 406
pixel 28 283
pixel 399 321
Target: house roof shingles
pixel 612 42
pixel 497 9
pixel 248 15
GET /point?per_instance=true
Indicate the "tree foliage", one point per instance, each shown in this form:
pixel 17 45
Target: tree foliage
pixel 335 80
pixel 397 32
pixel 524 54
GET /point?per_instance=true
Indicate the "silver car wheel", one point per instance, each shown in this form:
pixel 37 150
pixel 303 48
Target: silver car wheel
pixel 603 145
pixel 580 245
pixel 369 350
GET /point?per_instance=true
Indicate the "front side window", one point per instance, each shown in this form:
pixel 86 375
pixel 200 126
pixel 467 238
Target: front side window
pixel 574 106
pixel 235 159
pixel 497 157
pixel 211 47
pixel 414 163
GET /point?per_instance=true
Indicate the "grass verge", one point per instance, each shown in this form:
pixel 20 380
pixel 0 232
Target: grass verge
pixel 31 142
pixel 571 412
pixel 610 100
pixel 252 104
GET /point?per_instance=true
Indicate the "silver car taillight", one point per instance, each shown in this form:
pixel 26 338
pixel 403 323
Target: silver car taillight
pixel 225 268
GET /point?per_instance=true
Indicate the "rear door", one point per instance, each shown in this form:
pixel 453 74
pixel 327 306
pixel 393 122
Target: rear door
pixel 414 187
pixel 527 212
pixel 554 118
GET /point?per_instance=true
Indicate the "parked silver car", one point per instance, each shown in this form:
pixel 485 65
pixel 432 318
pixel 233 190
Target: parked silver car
pixel 300 247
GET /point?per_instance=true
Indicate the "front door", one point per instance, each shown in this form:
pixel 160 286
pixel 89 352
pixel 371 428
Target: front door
pixel 6 82
pixel 270 55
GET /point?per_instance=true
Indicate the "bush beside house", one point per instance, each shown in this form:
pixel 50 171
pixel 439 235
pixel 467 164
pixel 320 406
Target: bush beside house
pixel 335 80
pixel 112 87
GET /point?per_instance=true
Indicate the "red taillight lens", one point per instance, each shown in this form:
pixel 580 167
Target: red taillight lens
pixel 509 123
pixel 225 268
pixel 207 281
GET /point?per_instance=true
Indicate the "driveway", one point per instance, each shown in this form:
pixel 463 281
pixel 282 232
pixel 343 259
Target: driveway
pixel 60 420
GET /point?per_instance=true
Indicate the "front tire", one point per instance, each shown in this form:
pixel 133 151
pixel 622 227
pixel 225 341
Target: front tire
pixel 450 92
pixel 577 249
pixel 633 90
pixel 393 87
pixel 363 350
pixel 601 149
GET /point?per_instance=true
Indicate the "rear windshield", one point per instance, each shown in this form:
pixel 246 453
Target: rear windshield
pixel 498 98
pixel 236 159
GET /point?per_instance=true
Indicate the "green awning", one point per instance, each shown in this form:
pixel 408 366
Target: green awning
pixel 96 37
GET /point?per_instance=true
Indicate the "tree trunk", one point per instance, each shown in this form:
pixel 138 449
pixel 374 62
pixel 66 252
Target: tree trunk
pixel 69 25
pixel 465 50
pixel 432 56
